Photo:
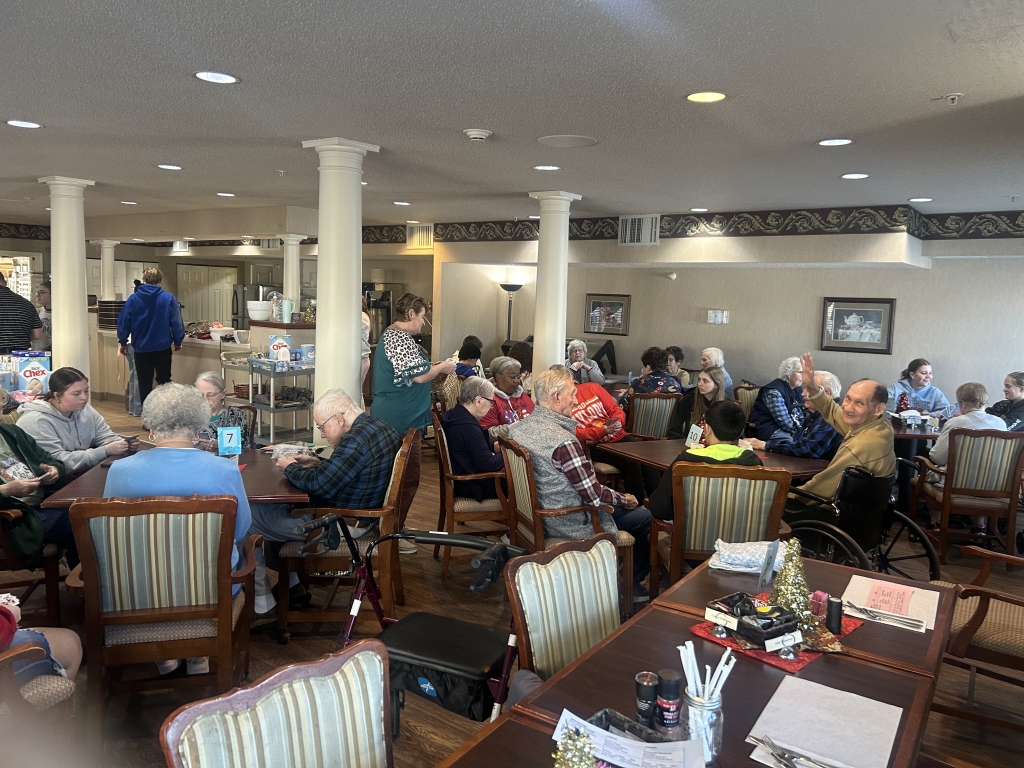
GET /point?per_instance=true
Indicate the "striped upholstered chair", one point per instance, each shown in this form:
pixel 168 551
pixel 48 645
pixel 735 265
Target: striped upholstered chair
pixel 527 517
pixel 725 501
pixel 158 585
pixel 329 713
pixel 564 601
pixel 745 395
pixel 650 413
pixel 981 478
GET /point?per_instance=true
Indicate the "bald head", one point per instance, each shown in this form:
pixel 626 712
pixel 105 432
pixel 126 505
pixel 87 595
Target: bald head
pixel 864 403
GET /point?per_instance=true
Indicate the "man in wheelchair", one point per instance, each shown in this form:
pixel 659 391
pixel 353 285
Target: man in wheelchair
pixel 867 442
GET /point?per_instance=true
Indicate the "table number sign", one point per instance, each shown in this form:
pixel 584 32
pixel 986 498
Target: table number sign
pixel 695 434
pixel 229 441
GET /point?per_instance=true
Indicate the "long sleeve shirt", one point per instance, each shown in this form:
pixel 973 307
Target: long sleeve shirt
pixel 593 409
pixel 816 439
pixel 571 461
pixel 786 420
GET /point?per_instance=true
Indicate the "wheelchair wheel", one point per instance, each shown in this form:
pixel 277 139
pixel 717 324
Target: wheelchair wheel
pixel 826 542
pixel 906 551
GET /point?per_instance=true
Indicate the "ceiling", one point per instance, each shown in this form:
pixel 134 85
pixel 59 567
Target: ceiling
pixel 112 82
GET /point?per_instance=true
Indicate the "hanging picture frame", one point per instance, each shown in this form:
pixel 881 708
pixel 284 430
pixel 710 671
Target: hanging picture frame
pixel 857 325
pixel 607 314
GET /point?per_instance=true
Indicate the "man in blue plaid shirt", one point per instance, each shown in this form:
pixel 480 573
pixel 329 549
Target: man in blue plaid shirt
pixel 356 476
pixel 815 439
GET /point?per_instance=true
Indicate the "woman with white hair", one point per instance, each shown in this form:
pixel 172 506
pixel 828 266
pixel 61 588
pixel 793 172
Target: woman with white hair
pixel 778 411
pixel 212 387
pixel 816 439
pixel 469 447
pixel 583 369
pixel 511 403
pixel 713 357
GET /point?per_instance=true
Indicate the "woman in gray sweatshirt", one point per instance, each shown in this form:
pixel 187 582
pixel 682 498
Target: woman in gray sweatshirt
pixel 68 428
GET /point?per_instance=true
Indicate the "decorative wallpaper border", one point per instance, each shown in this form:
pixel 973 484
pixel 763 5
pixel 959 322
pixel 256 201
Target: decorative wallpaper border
pixel 998 225
pixel 24 231
pixel 811 221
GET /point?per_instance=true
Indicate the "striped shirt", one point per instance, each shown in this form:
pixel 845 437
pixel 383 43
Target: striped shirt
pixel 18 318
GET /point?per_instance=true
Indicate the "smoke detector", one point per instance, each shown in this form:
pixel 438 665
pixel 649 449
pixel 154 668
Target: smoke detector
pixel 953 98
pixel 477 134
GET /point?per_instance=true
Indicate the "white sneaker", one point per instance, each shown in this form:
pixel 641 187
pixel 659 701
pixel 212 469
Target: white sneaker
pixel 264 604
pixel 407 546
pixel 198 666
pixel 166 667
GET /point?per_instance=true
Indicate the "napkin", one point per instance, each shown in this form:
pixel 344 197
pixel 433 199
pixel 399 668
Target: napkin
pixel 747 557
pixel 924 603
pixel 833 726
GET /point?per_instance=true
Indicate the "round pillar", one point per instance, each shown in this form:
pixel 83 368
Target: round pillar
pixel 552 278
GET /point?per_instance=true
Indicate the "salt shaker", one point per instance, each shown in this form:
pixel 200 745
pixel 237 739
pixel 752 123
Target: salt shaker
pixel 704 718
pixel 646 697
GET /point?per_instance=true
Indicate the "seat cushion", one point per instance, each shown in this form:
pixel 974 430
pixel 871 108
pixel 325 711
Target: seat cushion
pixel 622 540
pixel 603 468
pixel 447 644
pixel 195 629
pixel 934 492
pixel 1003 628
pixel 45 691
pixel 294 548
pixel 464 504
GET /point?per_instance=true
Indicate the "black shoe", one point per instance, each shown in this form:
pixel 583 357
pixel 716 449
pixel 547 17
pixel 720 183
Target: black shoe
pixel 298 598
pixel 1020 543
pixel 1002 525
pixel 640 594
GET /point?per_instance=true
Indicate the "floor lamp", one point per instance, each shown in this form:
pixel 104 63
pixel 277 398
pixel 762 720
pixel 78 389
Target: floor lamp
pixel 511 288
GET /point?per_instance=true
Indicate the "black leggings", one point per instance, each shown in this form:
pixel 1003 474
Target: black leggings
pixel 149 363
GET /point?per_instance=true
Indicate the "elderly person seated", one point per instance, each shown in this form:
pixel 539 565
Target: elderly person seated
pixel 468 447
pixel 583 369
pixel 778 411
pixel 653 377
pixel 565 477
pixel 174 415
pixel 713 357
pixel 511 403
pixel 469 359
pixel 867 440
pixel 816 439
pixel 212 387
pixel 356 476
pixel 675 359
pixel 68 428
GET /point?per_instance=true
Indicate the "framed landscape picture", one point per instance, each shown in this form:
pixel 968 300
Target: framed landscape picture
pixel 607 314
pixel 857 325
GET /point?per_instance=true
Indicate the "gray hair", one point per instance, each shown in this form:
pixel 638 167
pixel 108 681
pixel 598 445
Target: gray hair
pixel 175 410
pixel 550 383
pixel 335 401
pixel 574 344
pixel 715 357
pixel 474 387
pixel 499 364
pixel 829 381
pixel 788 366
pixel 213 378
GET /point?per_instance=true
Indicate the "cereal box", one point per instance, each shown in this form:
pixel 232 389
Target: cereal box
pixel 33 371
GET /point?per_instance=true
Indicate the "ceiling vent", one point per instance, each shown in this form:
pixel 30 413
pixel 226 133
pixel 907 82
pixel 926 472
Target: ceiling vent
pixel 639 230
pixel 180 246
pixel 419 236
pixel 270 244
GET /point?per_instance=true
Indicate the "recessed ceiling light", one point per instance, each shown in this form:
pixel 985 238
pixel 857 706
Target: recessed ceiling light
pixel 401 202
pixel 705 97
pixel 546 168
pixel 699 210
pixel 535 217
pixel 225 194
pixel 138 240
pixel 169 167
pixel 855 175
pixel 221 78
pixel 47 209
pixel 128 202
pixel 920 200
pixel 364 183
pixel 188 238
pixel 567 141
pixel 411 221
pixel 835 142
pixel 23 124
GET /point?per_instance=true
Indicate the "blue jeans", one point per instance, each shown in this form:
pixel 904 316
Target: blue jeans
pixel 26 670
pixel 637 522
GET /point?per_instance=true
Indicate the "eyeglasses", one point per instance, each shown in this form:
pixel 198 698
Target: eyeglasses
pixel 488 399
pixel 322 426
pixel 513 376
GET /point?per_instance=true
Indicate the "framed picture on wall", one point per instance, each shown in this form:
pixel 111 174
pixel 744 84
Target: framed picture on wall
pixel 607 314
pixel 858 325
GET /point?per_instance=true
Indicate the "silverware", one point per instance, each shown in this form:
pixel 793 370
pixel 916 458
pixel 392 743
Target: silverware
pixel 873 615
pixel 790 754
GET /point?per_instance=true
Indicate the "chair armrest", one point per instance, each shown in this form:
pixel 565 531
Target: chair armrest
pixel 248 545
pixel 10 515
pixel 987 558
pixel 907 463
pixel 478 476
pixel 342 511
pixel 9 689
pixel 959 643
pixel 969 590
pixel 812 496
pixel 564 511
pixel 26 652
pixel 925 464
pixel 641 437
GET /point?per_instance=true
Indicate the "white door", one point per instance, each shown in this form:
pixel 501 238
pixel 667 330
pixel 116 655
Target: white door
pixel 262 274
pixel 193 292
pixel 92 276
pixel 221 292
pixel 121 280
pixel 134 272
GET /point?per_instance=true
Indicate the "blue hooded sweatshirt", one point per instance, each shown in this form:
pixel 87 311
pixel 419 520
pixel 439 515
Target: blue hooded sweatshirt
pixel 152 318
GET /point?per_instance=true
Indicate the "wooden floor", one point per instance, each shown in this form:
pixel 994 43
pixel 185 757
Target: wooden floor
pixel 429 733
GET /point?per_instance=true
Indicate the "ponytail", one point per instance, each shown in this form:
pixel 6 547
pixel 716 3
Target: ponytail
pixel 914 364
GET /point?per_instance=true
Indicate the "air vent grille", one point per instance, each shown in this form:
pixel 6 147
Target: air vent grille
pixel 639 230
pixel 419 236
pixel 270 244
pixel 180 246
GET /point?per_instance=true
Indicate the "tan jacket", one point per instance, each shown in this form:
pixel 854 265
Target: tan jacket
pixel 869 446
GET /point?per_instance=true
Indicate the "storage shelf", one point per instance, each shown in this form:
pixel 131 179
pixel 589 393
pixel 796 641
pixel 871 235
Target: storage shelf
pixel 266 408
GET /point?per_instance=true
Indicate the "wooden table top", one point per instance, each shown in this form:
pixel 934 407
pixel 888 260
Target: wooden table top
pixel 264 484
pixel 920 653
pixel 510 741
pixel 920 432
pixel 603 677
pixel 661 453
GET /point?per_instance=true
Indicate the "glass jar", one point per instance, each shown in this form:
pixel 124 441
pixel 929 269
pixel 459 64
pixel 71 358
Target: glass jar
pixel 704 719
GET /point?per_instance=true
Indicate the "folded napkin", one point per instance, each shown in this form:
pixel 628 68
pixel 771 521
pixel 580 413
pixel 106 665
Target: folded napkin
pixel 747 557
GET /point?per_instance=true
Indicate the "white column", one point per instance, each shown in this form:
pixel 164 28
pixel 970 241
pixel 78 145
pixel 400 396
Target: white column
pixel 67 268
pixel 292 274
pixel 107 290
pixel 552 278
pixel 339 264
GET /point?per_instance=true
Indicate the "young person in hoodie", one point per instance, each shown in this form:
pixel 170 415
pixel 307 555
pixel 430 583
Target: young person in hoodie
pixel 1011 410
pixel 511 403
pixel 469 448
pixel 914 390
pixel 68 428
pixel 152 318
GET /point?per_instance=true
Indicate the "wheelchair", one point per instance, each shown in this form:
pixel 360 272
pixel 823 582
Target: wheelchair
pixel 866 530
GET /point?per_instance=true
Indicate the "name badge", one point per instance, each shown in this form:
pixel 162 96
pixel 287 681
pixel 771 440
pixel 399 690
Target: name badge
pixel 229 441
pixel 783 641
pixel 694 435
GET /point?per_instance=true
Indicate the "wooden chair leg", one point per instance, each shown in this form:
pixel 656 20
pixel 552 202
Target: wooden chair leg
pixel 396 575
pixel 449 527
pixel 94 706
pixel 283 577
pixel 441 515
pixel 655 579
pixel 627 579
pixel 52 575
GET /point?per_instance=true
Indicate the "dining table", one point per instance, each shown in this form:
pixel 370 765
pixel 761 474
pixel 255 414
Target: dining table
pixel 661 453
pixel 913 432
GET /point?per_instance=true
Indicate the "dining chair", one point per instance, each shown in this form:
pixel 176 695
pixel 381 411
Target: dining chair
pixel 158 585
pixel 17 576
pixel 745 395
pixel 726 501
pixel 252 415
pixel 981 478
pixel 987 635
pixel 42 693
pixel 334 567
pixel 564 601
pixel 459 510
pixel 526 516
pixel 650 413
pixel 329 713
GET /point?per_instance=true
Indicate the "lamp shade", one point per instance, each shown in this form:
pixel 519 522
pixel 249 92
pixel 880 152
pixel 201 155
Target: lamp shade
pixel 510 287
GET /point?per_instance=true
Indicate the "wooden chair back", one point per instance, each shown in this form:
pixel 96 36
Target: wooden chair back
pixel 986 463
pixel 252 415
pixel 564 601
pixel 334 711
pixel 650 413
pixel 527 526
pixel 745 395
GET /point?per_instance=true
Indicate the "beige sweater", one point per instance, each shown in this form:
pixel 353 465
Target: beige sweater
pixel 869 445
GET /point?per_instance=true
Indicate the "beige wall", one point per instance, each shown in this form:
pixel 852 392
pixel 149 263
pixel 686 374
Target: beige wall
pixel 415 274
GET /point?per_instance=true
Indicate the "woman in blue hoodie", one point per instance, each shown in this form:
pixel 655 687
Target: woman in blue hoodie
pixel 152 318
pixel 915 383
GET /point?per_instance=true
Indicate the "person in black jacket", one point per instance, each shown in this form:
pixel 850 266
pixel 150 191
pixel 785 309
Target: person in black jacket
pixel 723 426
pixel 468 447
pixel 1011 410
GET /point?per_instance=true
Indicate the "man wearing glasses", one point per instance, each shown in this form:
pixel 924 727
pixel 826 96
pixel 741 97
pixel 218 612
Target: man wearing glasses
pixel 356 476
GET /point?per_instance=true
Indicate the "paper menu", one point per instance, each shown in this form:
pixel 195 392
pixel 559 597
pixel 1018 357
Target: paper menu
pixel 889 597
pixel 923 603
pixel 626 753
